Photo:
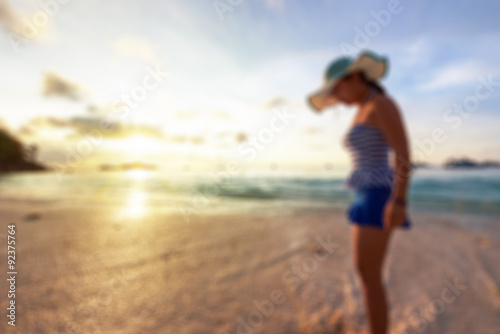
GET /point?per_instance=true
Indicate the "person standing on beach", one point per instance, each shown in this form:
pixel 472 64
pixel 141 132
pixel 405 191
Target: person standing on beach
pixel 380 191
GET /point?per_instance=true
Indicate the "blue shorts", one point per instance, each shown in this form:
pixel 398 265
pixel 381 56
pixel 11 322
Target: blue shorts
pixel 367 208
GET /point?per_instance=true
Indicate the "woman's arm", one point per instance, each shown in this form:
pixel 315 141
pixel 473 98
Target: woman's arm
pixel 389 120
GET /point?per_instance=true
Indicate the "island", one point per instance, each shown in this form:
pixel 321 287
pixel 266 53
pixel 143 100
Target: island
pixel 136 165
pixel 465 162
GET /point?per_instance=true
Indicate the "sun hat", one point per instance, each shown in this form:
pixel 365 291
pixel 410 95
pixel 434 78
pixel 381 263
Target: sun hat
pixel 374 67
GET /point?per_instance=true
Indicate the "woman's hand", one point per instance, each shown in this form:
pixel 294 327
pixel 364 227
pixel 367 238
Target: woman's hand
pixel 394 214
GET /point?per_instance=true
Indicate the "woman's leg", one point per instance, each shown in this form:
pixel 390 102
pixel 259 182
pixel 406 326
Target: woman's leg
pixel 369 245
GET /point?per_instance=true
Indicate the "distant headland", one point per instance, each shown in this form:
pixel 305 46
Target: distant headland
pixel 16 157
pixel 470 163
pixel 461 163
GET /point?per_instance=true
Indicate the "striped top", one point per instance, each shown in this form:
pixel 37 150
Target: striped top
pixel 369 153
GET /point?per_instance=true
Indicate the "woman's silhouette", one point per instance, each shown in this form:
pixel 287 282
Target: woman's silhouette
pixel 380 191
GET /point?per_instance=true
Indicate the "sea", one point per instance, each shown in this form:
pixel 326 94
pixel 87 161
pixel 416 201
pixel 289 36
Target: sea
pixel 432 190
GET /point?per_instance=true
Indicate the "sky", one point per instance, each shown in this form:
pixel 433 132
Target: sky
pixel 200 82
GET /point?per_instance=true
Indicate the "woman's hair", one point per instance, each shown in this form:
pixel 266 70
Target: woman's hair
pixel 371 83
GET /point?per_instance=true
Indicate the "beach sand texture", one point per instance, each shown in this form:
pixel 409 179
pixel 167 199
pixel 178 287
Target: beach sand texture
pixel 85 271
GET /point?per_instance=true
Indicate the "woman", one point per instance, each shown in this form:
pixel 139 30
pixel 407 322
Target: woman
pixel 380 191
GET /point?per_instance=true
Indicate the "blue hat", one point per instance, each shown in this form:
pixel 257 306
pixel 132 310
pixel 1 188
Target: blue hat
pixel 373 66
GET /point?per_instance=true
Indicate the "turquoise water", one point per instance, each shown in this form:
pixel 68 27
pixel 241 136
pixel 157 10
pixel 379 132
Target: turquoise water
pixel 474 191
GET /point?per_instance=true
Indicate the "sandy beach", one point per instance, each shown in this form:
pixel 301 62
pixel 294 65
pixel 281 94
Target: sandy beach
pixel 85 271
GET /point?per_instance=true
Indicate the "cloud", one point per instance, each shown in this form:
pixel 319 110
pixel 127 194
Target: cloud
pixel 62 129
pixel 241 137
pixel 311 130
pixel 275 4
pixel 219 114
pixel 100 109
pixel 276 102
pixel 453 75
pixel 86 125
pixel 80 126
pixel 186 114
pixel 417 52
pixel 9 16
pixel 12 19
pixel 50 122
pixel 54 84
pixel 136 47
pixel 46 128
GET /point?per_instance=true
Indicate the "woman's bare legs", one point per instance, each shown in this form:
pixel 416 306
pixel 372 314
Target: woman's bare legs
pixel 369 246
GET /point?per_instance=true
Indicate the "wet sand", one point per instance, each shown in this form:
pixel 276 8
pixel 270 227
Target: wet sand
pixel 88 271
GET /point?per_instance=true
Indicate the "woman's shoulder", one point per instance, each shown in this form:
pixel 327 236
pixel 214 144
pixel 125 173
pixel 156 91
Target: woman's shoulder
pixel 382 108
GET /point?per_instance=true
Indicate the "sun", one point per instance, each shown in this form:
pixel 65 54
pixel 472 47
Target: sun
pixel 138 174
pixel 136 146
